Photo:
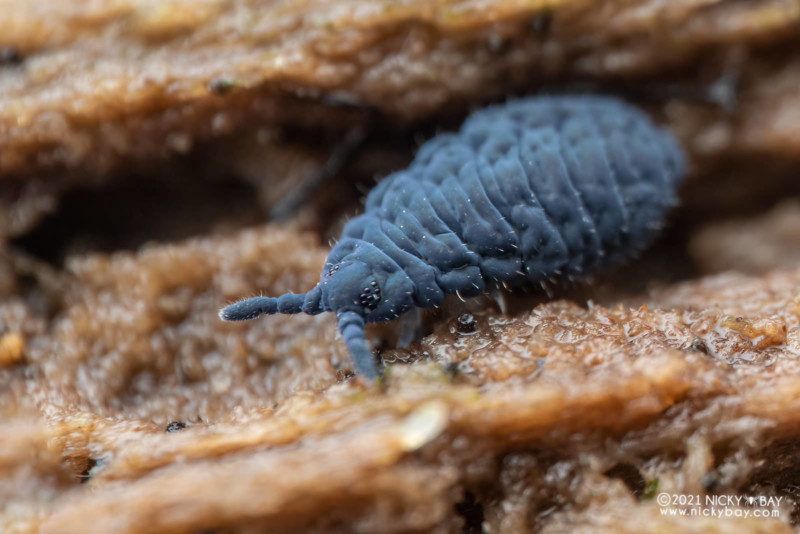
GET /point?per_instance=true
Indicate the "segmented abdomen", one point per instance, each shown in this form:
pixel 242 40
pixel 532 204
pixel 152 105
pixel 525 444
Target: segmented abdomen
pixel 529 189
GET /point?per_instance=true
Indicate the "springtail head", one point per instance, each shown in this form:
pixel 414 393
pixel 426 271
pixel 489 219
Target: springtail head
pixel 351 323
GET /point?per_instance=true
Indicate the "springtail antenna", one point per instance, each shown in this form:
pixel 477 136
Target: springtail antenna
pixel 351 325
pixel 310 303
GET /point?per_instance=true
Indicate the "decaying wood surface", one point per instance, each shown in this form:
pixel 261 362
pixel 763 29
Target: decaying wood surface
pixel 677 373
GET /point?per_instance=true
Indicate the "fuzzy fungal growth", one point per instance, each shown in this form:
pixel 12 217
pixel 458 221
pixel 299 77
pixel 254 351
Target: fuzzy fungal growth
pixel 542 187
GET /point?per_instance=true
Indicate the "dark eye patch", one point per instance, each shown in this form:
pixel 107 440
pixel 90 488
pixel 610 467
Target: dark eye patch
pixel 370 296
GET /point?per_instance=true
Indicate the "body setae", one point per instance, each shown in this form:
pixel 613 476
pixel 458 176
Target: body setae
pixel 525 191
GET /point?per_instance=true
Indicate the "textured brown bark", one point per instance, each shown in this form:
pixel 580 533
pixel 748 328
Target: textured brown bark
pixel 676 373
